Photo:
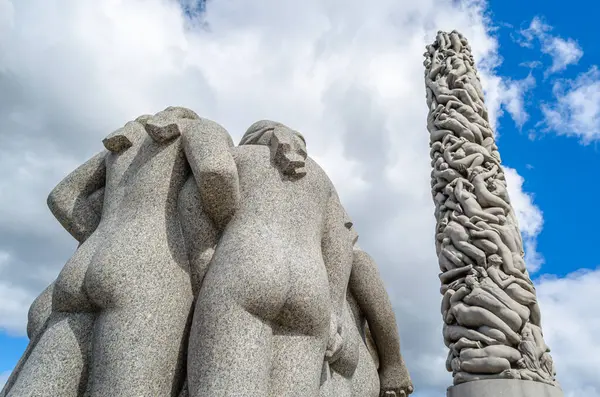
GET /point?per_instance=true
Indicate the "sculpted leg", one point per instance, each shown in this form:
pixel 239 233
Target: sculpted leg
pixel 365 382
pixel 155 332
pixel 297 365
pixel 58 363
pixel 38 316
pixel 486 245
pixel 493 333
pixel 229 352
pixel 472 251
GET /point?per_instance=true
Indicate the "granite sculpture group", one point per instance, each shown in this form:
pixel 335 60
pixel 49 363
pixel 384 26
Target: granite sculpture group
pixel 492 321
pixel 208 269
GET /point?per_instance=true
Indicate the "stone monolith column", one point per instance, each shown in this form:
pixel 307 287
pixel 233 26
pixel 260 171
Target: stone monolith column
pixel 492 324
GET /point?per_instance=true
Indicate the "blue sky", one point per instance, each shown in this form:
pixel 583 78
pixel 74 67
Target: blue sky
pixel 559 170
pixel 350 78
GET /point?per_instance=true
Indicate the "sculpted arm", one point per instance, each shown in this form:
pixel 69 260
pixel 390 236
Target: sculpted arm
pixel 69 200
pixel 208 146
pixel 334 236
pixel 367 287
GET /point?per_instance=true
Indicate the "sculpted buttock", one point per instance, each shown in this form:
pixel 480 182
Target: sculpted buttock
pixel 241 261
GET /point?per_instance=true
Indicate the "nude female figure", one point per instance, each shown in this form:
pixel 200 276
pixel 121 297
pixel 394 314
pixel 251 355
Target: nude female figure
pixel 107 277
pixel 268 287
pixel 499 189
pixel 56 359
pixel 80 218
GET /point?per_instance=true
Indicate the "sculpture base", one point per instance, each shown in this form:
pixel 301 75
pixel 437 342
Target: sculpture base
pixel 504 388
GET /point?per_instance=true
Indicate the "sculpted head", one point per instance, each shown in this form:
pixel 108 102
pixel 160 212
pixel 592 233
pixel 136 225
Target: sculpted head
pixel 288 147
pixel 471 281
pixel 527 332
pixel 261 132
pixel 460 153
pixel 479 271
pixel 473 172
pixel 442 224
pixel 494 260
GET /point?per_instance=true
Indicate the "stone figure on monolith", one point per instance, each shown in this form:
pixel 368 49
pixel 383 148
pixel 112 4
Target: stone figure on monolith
pixel 175 221
pixel 492 322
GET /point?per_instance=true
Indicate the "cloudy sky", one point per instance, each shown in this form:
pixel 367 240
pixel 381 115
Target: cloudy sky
pixel 348 75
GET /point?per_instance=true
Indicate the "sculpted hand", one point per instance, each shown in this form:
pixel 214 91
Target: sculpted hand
pixel 336 340
pixel 395 382
pixel 164 126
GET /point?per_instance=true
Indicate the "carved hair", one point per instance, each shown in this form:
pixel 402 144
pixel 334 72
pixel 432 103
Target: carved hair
pixel 287 156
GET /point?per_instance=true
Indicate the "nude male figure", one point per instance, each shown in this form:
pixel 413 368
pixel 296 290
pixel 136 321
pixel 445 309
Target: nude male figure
pixel 368 305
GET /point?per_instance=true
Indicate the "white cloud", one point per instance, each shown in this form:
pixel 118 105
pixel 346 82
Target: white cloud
pixel 537 28
pixel 576 110
pixel 564 52
pixel 529 215
pixel 571 322
pixel 505 94
pixel 349 76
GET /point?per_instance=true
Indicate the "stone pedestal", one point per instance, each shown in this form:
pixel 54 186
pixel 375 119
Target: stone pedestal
pixel 504 388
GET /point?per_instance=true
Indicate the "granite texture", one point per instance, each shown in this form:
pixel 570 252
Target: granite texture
pixel 262 319
pixel 253 241
pixel 504 388
pixel 368 364
pixel 492 318
pixel 368 289
pixel 131 257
